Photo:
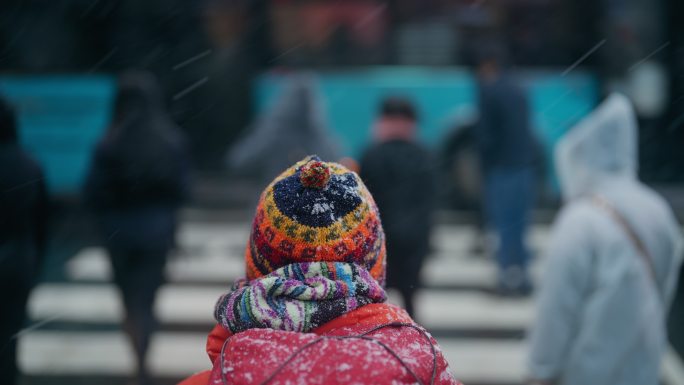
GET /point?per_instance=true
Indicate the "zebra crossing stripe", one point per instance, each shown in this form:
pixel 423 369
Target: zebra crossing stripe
pixel 181 304
pixel 441 270
pixel 673 368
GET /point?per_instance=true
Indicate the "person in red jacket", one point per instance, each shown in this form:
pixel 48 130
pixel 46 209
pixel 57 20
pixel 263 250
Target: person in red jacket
pixel 312 308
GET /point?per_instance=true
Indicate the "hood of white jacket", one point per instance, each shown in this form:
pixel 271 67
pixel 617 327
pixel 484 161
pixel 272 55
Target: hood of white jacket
pixel 600 148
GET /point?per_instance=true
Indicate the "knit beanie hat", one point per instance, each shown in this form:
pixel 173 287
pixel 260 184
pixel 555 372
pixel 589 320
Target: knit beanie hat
pixel 316 211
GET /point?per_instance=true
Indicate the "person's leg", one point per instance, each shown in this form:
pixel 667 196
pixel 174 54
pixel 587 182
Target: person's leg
pixel 139 273
pixel 407 292
pixel 479 247
pixel 508 194
pixel 13 309
pixel 524 192
pixel 495 213
pixel 403 270
pixel 414 266
pixel 16 277
pixel 122 265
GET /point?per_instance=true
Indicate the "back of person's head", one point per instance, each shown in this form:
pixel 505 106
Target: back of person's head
pixel 316 243
pixel 491 58
pixel 599 149
pixel 398 107
pixel 316 211
pixel 396 121
pixel 8 124
pixel 299 108
pixel 142 134
pixel 138 95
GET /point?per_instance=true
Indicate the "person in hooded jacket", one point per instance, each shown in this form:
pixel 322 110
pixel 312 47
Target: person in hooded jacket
pixel 613 260
pixel 296 125
pixel 312 308
pixel 23 237
pixel 137 181
pixel 397 169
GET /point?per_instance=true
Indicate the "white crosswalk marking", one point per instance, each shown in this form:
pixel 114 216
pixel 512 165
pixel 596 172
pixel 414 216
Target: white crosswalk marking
pixel 481 334
pixel 91 264
pixel 101 304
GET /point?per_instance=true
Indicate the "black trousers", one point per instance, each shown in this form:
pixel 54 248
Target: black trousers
pixel 404 263
pixel 13 298
pixel 17 273
pixel 138 273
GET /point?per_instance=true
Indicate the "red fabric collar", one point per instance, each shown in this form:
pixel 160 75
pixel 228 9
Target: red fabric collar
pixel 359 320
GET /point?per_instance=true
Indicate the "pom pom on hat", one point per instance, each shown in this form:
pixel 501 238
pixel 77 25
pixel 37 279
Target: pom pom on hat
pixel 314 174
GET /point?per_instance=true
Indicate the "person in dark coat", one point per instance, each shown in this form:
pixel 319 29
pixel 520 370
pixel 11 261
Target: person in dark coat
pixel 137 181
pixel 399 173
pixel 23 223
pixel 508 151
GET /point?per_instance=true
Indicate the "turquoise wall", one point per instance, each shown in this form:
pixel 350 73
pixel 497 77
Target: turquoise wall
pixel 60 119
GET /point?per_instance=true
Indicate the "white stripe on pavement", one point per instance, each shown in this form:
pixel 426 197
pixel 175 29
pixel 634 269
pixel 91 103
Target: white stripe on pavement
pixel 213 234
pixel 64 353
pixel 485 361
pixel 673 368
pixel 102 303
pixel 187 304
pixel 91 264
pixel 459 238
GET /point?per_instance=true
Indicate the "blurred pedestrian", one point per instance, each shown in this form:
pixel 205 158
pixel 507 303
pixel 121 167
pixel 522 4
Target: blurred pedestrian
pixel 137 181
pixel 460 166
pixel 399 173
pixel 296 125
pixel 507 154
pixel 23 223
pixel 312 308
pixel 613 261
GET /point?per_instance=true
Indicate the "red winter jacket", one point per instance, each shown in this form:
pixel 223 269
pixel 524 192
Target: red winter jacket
pixel 259 356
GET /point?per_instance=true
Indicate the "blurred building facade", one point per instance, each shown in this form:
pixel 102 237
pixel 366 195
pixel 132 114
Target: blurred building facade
pixel 216 47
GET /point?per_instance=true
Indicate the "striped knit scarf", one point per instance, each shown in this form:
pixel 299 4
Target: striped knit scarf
pixel 298 297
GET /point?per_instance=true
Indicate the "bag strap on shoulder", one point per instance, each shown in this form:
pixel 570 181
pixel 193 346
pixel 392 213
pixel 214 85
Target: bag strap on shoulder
pixel 638 244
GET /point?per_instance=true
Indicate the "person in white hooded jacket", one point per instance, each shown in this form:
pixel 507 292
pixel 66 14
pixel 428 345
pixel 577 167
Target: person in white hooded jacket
pixel 612 263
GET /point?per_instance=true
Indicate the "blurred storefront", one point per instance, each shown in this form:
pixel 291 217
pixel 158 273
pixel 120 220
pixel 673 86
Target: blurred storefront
pixel 208 54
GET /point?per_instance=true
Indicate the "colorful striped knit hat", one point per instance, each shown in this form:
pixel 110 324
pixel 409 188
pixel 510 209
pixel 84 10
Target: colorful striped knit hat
pixel 316 211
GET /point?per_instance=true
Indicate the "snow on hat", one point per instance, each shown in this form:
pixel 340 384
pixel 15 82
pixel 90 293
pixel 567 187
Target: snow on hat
pixel 316 211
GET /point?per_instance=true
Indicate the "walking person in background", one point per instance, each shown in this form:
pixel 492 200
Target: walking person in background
pixel 399 173
pixel 23 223
pixel 507 150
pixel 137 181
pixel 295 125
pixel 460 165
pixel 613 261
